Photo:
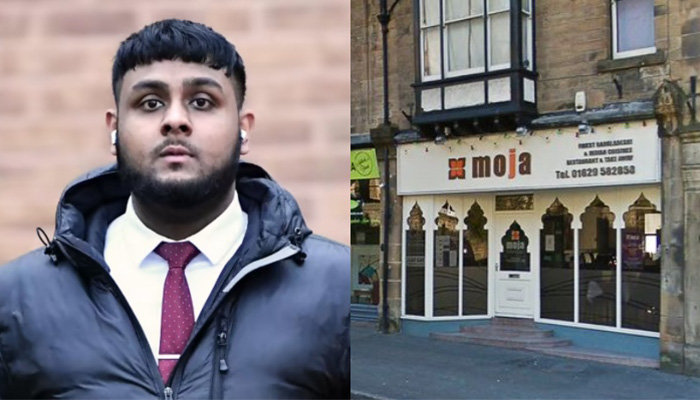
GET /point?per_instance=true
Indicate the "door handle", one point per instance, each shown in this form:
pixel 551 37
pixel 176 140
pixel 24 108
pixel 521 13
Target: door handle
pixel 495 265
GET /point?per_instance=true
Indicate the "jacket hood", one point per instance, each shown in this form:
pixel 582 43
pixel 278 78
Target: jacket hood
pixel 91 202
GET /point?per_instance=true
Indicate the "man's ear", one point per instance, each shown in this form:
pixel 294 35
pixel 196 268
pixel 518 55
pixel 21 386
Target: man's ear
pixel 247 123
pixel 111 122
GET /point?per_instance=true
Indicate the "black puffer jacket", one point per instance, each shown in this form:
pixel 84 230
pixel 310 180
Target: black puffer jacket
pixel 275 325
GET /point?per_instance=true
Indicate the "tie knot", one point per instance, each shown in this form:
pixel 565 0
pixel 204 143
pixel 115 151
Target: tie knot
pixel 178 255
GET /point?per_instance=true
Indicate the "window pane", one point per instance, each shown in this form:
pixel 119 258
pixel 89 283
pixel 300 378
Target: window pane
pixel 500 38
pixel 597 265
pixel 475 263
pixel 499 5
pixel 557 264
pixel 526 41
pixel 431 51
pixel 465 44
pixel 415 263
pixel 415 272
pixel 431 12
pixel 641 266
pixel 365 264
pixel 635 24
pixel 446 270
pixel 456 9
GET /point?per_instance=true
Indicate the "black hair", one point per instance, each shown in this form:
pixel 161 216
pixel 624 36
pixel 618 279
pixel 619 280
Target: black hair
pixel 174 39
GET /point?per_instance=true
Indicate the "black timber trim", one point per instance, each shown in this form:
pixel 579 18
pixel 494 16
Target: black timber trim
pixel 361 141
pixel 484 110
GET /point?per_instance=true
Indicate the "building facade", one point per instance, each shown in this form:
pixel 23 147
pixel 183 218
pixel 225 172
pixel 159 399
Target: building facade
pixel 544 160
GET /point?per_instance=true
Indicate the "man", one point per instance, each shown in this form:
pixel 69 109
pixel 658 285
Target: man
pixel 181 272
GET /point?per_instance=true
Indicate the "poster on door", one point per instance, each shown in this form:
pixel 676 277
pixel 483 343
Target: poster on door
pixel 633 251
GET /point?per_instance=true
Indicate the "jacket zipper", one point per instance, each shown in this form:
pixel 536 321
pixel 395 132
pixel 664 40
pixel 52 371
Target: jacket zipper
pixel 217 390
pixel 221 342
pixel 281 254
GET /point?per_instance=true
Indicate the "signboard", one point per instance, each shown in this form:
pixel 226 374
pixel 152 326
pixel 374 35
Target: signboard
pixel 616 154
pixel 363 164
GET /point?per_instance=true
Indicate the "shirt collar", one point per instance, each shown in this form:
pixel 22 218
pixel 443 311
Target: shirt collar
pixel 213 241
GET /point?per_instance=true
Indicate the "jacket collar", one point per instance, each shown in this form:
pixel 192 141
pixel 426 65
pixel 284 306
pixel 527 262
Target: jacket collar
pixel 90 203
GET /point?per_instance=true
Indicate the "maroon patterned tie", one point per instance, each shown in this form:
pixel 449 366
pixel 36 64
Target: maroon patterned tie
pixel 177 318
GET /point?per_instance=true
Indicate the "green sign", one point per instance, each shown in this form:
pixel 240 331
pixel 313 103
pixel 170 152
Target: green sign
pixel 363 164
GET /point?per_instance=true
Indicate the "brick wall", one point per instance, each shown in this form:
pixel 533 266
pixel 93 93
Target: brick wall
pixel 55 64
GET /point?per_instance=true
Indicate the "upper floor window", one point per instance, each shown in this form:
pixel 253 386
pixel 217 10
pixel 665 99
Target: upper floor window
pixel 633 28
pixel 462 37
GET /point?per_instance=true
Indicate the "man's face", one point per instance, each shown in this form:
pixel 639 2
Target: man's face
pixel 178 133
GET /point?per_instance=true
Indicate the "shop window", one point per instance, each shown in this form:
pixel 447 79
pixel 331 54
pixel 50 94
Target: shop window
pixel 633 27
pixel 446 263
pixel 641 266
pixel 365 213
pixel 364 238
pixel 415 262
pixel 557 264
pixel 597 265
pixel 475 263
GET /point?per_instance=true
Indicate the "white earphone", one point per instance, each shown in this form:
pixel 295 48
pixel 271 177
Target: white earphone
pixel 113 134
pixel 244 134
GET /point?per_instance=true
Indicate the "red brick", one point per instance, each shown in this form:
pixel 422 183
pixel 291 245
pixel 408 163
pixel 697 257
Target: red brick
pixel 82 98
pixel 191 14
pixel 308 15
pixel 281 132
pixel 82 23
pixel 232 21
pixel 13 24
pixel 12 102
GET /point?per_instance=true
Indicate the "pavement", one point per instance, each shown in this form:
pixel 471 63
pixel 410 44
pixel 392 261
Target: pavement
pixel 398 366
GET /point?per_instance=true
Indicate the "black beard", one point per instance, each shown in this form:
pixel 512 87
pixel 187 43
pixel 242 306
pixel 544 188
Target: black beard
pixel 179 195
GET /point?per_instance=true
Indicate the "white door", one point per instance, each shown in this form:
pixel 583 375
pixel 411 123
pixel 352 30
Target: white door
pixel 517 249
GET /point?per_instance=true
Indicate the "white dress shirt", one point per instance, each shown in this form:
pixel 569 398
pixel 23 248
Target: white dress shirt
pixel 140 273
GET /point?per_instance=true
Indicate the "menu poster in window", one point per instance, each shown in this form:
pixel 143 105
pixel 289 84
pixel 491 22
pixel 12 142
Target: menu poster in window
pixel 442 251
pixel 415 249
pixel 549 243
pixel 446 251
pixel 633 250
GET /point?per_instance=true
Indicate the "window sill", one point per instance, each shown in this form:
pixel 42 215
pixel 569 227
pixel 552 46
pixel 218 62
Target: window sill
pixel 632 62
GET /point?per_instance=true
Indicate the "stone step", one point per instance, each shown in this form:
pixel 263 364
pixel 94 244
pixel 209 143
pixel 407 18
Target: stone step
pixel 363 312
pixel 526 343
pixel 507 331
pixel 601 356
pixel 505 321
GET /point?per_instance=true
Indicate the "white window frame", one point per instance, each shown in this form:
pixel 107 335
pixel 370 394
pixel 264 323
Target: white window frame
pixel 489 13
pixel 423 28
pixel 528 39
pixel 445 55
pixel 629 53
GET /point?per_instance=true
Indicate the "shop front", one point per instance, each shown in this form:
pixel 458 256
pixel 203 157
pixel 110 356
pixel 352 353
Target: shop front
pixel 365 217
pixel 554 226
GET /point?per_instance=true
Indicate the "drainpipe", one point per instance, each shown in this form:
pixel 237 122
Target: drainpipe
pixel 384 17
